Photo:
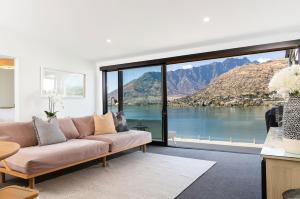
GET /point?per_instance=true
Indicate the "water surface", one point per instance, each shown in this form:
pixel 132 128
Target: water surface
pixel 216 123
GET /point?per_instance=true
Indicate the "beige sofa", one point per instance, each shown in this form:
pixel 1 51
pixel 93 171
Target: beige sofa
pixel 81 146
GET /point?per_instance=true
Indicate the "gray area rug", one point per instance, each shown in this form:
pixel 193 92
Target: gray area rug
pixel 134 176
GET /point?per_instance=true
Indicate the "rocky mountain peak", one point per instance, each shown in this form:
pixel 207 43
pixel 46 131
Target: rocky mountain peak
pixel 242 86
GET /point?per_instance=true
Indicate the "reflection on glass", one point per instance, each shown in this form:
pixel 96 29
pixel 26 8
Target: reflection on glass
pixel 112 90
pixel 142 99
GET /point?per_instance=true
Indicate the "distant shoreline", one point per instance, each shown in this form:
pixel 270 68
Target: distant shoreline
pixel 266 103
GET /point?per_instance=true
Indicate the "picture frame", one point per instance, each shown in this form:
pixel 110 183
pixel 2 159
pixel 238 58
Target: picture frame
pixel 64 83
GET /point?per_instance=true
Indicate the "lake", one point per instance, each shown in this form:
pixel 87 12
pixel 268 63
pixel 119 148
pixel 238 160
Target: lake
pixel 216 123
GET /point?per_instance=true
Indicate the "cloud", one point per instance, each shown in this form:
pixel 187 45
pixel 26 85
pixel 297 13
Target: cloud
pixel 263 59
pixel 187 66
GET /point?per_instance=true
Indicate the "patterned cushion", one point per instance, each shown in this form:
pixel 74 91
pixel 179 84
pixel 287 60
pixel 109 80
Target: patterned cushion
pixel 120 122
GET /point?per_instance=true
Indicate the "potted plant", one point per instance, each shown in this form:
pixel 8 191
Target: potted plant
pixel 54 102
pixel 286 83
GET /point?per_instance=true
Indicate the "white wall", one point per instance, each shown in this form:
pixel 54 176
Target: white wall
pixel 223 44
pixel 7 88
pixel 30 55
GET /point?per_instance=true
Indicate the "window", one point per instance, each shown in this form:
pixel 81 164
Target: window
pixel 213 100
pixel 222 101
pixel 142 99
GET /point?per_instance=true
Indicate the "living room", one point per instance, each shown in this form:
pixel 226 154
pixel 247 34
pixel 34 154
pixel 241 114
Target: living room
pixel 149 99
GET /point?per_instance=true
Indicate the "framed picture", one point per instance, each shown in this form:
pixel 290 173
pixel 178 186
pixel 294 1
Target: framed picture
pixel 66 84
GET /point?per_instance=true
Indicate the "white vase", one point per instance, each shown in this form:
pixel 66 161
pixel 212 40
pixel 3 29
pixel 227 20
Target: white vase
pixel 291 125
pixel 50 118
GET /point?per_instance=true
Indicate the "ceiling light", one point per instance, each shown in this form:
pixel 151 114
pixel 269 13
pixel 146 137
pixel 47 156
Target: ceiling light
pixel 206 19
pixel 108 40
pixel 7 63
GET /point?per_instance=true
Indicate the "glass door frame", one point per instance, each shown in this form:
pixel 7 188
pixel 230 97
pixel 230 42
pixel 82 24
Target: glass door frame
pixel 164 111
pixel 277 46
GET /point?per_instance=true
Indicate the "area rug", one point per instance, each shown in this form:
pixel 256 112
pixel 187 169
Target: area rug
pixel 133 176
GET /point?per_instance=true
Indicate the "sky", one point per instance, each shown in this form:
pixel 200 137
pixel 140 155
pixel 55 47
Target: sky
pixel 131 74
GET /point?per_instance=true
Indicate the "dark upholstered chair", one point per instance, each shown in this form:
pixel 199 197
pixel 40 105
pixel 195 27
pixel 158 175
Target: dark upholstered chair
pixel 273 117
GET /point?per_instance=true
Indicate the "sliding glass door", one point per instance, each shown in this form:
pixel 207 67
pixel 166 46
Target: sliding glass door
pixel 208 98
pixel 142 99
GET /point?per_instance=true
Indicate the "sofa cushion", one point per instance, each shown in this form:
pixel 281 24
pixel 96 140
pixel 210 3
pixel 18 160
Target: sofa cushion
pixel 48 132
pixel 123 140
pixel 22 133
pixel 84 125
pixel 120 122
pixel 68 128
pixel 104 124
pixel 31 160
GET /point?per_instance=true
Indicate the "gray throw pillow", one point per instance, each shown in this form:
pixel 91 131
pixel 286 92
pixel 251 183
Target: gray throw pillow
pixel 120 122
pixel 48 132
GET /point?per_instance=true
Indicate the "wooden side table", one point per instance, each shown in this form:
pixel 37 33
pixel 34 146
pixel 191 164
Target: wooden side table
pixel 16 192
pixel 281 169
pixel 8 149
pixel 13 192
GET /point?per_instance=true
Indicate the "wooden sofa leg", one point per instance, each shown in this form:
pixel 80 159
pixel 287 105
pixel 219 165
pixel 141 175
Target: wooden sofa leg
pixel 2 179
pixel 104 163
pixel 144 148
pixel 31 183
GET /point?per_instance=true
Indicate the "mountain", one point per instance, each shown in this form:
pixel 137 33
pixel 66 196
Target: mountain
pixel 180 82
pixel 187 81
pixel 144 90
pixel 246 85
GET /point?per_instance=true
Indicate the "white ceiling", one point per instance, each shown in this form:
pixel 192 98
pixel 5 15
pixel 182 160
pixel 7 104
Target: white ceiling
pixel 138 27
